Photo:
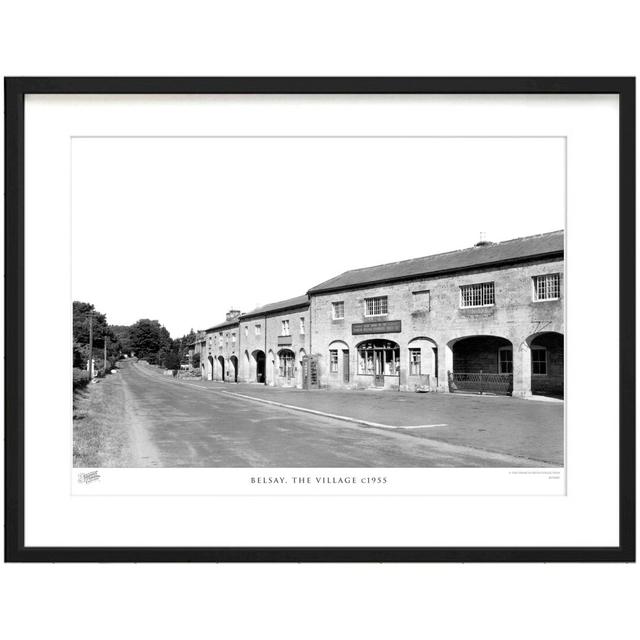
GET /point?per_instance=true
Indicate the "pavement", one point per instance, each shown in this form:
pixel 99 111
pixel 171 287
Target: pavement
pixel 206 424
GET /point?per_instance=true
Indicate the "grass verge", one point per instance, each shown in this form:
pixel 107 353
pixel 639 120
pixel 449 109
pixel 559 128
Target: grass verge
pixel 100 436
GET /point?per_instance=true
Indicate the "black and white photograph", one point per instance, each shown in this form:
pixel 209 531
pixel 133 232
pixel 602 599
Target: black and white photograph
pixel 318 301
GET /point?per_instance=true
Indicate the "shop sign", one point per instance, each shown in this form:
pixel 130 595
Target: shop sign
pixel 387 326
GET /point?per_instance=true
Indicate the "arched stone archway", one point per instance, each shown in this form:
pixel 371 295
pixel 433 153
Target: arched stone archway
pixel 423 362
pixel 233 369
pixel 222 368
pixel 286 367
pixel 260 361
pixel 340 365
pixel 481 364
pixel 210 368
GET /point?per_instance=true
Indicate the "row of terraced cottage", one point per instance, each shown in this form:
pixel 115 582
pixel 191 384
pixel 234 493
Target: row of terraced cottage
pixel 484 319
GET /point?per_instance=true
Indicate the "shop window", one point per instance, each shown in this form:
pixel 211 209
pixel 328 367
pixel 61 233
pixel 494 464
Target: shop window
pixel 505 360
pixel 377 306
pixel 415 362
pixel 378 357
pixel 477 295
pixel 539 361
pixel 546 287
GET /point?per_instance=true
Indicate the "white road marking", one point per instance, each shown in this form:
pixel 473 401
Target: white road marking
pixel 324 414
pixel 422 426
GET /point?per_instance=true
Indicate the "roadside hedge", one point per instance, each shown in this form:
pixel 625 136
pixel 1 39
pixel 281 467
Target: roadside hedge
pixel 80 378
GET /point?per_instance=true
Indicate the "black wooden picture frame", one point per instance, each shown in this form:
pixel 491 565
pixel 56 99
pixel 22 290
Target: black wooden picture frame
pixel 15 91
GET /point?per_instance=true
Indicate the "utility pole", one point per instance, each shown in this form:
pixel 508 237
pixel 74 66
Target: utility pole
pixel 90 316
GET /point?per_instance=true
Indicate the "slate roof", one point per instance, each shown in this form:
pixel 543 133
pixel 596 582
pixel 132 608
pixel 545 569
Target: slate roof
pixel 290 303
pixel 509 251
pixel 225 325
pixel 272 307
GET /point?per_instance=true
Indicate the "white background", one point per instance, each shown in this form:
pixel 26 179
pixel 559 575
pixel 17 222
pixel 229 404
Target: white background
pixel 372 38
pixel 187 210
pixel 53 517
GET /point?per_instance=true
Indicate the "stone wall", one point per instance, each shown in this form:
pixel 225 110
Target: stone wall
pixel 436 319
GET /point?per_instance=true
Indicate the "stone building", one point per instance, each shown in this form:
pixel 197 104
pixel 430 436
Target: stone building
pixel 265 345
pixel 221 352
pixel 274 340
pixel 488 318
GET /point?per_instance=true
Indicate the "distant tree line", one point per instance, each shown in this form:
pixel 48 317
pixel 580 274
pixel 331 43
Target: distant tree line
pixel 146 339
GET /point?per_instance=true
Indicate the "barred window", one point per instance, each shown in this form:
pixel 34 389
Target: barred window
pixel 338 310
pixel 375 306
pixel 415 357
pixel 333 361
pixel 477 295
pixel 539 361
pixel 546 287
pixel 285 328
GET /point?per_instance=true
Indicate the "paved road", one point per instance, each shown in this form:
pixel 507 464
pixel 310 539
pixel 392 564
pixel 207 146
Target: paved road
pixel 175 424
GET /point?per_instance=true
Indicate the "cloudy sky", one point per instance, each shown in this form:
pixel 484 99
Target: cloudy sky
pixel 182 229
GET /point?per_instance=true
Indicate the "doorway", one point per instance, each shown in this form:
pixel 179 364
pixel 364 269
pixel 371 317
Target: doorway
pixel 345 365
pixel 261 363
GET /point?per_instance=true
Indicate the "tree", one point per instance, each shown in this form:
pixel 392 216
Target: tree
pixel 81 311
pixel 122 334
pixel 150 340
pixel 101 332
pixel 181 345
pixel 172 361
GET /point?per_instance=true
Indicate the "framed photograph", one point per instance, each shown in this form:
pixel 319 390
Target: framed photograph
pixel 320 319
